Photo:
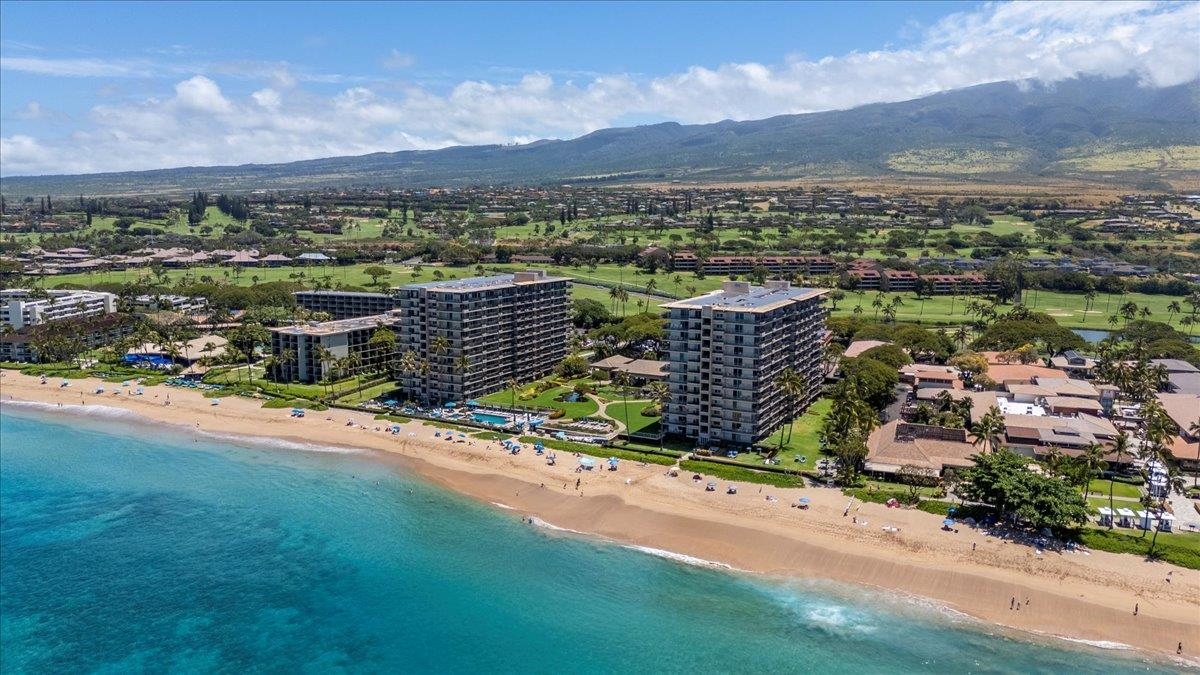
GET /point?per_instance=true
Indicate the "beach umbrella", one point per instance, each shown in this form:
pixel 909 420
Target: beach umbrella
pixel 804 500
pixel 461 435
pixel 949 522
pixel 450 404
pixel 587 461
pixel 472 403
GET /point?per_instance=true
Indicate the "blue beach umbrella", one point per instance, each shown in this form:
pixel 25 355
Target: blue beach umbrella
pixel 949 522
pixel 804 500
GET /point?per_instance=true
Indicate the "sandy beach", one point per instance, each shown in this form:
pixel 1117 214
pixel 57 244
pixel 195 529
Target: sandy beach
pixel 1078 596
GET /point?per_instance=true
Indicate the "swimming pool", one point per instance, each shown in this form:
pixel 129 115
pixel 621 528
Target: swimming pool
pixel 489 418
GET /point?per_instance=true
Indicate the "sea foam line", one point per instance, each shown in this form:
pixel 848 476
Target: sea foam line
pixel 1099 644
pixel 89 410
pixel 680 557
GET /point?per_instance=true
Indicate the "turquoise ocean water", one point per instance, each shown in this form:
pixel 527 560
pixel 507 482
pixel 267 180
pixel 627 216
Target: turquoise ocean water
pixel 126 547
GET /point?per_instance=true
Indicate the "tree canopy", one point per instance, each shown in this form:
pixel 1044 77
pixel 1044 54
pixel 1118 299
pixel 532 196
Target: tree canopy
pixel 1003 480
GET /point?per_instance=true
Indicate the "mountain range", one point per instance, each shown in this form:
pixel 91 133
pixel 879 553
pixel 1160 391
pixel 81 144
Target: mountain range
pixel 1108 130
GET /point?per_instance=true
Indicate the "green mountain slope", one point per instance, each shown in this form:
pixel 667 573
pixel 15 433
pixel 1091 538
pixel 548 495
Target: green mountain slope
pixel 1003 131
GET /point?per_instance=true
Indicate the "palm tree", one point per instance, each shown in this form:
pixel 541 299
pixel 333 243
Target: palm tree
pixel 660 393
pixel 961 335
pixel 877 303
pixel 1113 320
pixel 325 358
pixel 439 346
pixel 1091 459
pixel 1120 446
pixel 513 387
pixel 614 295
pixel 1128 310
pixel 989 426
pixel 889 313
pixel 463 365
pixel 621 380
pixel 1172 308
pixel 791 385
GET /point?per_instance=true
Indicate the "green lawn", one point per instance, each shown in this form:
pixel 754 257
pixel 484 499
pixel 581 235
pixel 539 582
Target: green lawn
pixel 1066 308
pixel 714 470
pixel 237 376
pixel 637 421
pixel 369 393
pixel 803 441
pixel 585 407
pixel 1100 487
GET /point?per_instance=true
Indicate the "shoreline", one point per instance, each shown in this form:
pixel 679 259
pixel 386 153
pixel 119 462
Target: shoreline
pixel 639 507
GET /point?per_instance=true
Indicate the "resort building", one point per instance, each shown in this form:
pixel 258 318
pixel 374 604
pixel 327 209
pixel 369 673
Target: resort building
pixel 81 333
pixel 298 349
pixel 345 304
pixel 174 303
pixel 474 335
pixel 726 350
pixel 21 307
pixel 897 445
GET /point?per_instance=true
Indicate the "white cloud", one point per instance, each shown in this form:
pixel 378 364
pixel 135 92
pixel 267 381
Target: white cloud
pixel 76 67
pixel 201 95
pixel 198 124
pixel 398 60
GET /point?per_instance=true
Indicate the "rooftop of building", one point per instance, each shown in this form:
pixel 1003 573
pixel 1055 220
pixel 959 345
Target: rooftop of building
pixel 335 327
pixel 741 296
pixel 358 294
pixel 1183 409
pixel 483 283
pixel 896 444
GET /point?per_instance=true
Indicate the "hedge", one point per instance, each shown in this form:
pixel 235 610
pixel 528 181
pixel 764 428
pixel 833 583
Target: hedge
pixel 1167 550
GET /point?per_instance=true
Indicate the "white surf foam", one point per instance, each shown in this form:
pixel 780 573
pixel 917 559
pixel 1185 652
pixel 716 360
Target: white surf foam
pixel 276 443
pixel 1099 644
pixel 538 522
pixel 89 410
pixel 506 507
pixel 680 557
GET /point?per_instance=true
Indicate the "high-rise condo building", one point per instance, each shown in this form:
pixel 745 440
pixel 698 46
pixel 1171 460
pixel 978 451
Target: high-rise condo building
pixel 345 304
pixel 727 349
pixel 471 336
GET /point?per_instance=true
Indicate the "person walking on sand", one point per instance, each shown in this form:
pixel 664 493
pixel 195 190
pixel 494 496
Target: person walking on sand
pixel 1179 649
pixel 1135 609
pixel 1012 603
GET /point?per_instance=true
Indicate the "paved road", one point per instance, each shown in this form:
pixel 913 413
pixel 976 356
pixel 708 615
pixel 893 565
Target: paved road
pixel 892 412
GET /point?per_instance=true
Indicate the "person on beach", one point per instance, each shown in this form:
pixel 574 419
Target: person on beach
pixel 1179 649
pixel 1135 609
pixel 1012 603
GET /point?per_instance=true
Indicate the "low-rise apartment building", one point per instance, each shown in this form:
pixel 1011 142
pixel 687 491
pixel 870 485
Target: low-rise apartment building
pixel 298 349
pixel 726 350
pixel 20 307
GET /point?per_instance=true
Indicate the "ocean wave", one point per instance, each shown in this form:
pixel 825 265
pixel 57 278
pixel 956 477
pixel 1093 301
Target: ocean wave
pixel 679 557
pixel 89 410
pixel 506 507
pixel 273 443
pixel 1099 644
pixel 538 522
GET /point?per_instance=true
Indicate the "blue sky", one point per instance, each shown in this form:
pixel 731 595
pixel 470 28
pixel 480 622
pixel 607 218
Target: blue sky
pixel 110 86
